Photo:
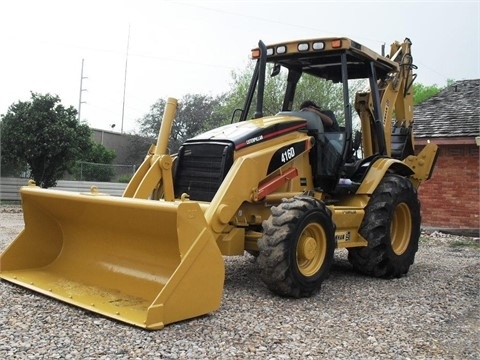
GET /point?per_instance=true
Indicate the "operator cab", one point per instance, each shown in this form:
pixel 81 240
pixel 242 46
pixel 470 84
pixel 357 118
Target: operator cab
pixel 338 60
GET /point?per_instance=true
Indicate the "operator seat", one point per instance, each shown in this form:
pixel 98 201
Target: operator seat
pixel 313 120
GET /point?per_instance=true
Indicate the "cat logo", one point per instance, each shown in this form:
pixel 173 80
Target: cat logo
pixel 254 140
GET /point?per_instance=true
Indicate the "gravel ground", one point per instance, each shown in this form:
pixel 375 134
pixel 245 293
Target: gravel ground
pixel 433 313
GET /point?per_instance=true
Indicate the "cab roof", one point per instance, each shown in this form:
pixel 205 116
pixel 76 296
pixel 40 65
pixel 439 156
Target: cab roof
pixel 321 57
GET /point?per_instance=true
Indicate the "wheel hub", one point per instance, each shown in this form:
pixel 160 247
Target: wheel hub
pixel 401 229
pixel 311 249
pixel 308 248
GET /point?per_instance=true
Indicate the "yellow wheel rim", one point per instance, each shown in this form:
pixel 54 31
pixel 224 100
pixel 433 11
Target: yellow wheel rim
pixel 401 228
pixel 311 249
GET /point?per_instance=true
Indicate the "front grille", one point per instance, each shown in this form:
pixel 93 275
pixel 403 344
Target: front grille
pixel 201 168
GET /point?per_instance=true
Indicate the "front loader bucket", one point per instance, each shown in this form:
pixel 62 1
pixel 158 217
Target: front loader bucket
pixel 147 263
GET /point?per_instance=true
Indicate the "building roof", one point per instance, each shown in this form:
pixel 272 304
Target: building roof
pixel 454 112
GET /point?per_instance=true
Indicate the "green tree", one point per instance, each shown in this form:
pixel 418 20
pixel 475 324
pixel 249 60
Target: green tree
pixel 195 114
pixel 325 93
pixel 45 135
pixel 95 165
pixel 150 122
pixel 423 92
pixel 235 97
pixel 10 166
pixel 138 146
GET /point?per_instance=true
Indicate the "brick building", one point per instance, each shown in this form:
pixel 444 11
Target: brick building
pixel 451 119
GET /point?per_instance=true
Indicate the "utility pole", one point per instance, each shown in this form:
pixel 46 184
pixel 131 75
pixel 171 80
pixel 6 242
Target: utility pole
pixel 80 102
pixel 125 79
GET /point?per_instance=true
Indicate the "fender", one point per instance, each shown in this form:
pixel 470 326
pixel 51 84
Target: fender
pixel 378 170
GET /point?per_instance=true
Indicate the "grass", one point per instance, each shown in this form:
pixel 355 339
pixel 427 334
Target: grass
pixel 10 202
pixel 470 243
pixel 459 243
pixel 424 239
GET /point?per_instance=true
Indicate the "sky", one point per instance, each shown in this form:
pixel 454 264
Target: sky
pixel 173 48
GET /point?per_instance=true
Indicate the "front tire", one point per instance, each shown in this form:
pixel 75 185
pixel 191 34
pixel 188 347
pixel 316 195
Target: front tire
pixel 297 246
pixel 391 226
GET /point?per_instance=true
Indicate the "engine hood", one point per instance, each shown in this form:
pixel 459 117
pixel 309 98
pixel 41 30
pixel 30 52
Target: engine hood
pixel 247 133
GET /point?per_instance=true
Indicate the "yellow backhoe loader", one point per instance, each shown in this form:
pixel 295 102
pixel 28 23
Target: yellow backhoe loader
pixel 279 186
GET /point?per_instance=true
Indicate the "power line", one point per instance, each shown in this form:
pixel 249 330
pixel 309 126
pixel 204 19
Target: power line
pixel 269 20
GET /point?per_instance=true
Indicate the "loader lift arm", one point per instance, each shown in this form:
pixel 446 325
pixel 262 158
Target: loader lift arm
pixel 154 176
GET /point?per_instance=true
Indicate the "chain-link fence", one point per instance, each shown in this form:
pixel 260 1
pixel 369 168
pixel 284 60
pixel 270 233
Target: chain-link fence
pixel 88 171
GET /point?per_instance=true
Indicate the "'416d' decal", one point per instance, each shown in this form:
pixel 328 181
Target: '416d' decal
pixel 288 154
pixel 285 154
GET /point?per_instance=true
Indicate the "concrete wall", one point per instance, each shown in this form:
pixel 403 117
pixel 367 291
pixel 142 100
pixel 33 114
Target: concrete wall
pixel 10 187
pixel 114 141
pixel 129 149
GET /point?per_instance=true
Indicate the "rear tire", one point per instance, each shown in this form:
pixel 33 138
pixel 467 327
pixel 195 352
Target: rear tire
pixel 391 226
pixel 296 249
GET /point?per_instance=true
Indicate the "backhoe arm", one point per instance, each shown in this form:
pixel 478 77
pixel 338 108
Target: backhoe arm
pixel 395 94
pixel 398 95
